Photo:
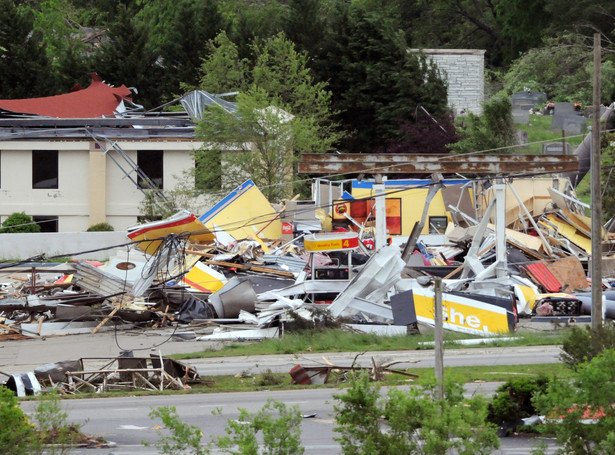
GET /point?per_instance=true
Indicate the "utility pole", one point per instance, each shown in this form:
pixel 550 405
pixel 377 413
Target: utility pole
pixel 596 195
pixel 438 336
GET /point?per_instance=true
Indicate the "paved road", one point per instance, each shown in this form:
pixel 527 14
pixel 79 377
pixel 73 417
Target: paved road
pixel 419 359
pixel 126 421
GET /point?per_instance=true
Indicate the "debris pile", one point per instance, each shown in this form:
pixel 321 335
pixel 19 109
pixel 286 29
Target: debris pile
pixel 247 270
pixel 97 375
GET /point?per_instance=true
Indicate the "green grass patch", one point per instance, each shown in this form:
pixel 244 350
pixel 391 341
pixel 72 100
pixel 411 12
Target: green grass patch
pixel 253 382
pixel 539 132
pixel 342 341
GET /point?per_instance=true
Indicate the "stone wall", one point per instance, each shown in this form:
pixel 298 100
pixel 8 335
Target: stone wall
pixel 464 70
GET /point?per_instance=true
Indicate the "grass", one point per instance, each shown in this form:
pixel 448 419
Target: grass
pixel 341 341
pixel 539 132
pixel 281 381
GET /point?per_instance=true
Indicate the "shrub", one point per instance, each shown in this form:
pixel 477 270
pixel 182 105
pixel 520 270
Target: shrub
pixel 279 425
pixel 494 129
pixel 568 404
pixel 16 433
pixel 411 422
pixel 182 436
pixel 268 378
pixel 582 345
pixel 100 227
pixel 19 222
pixel 50 433
pixel 513 401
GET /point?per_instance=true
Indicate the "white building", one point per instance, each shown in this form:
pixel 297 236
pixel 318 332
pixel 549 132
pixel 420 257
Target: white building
pixel 66 180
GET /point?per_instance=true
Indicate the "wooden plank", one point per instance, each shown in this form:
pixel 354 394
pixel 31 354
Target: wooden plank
pixel 255 268
pixel 569 271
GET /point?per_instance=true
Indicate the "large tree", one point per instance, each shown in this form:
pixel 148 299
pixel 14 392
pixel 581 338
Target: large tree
pixel 127 57
pixel 282 112
pixel 25 70
pixel 57 22
pixel 376 82
pixel 178 30
pixel 562 67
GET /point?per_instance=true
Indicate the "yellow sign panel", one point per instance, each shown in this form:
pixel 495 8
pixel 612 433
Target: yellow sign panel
pixel 244 208
pixel 331 241
pixel 462 314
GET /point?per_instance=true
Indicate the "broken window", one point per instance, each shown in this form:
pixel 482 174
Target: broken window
pixel 151 164
pixel 437 224
pixel 45 169
pixel 47 223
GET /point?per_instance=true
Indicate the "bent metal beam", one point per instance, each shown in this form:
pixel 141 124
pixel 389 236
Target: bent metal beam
pixel 403 163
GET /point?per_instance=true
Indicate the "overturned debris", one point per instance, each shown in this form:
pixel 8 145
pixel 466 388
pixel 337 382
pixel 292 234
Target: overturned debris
pixel 97 375
pixel 323 374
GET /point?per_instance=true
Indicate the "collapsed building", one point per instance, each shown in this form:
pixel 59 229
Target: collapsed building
pixel 361 253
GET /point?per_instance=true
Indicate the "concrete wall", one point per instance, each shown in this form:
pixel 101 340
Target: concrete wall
pixel 24 246
pixel 464 70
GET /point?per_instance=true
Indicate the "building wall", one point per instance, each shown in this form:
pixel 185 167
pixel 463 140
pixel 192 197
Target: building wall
pixel 464 70
pixel 81 198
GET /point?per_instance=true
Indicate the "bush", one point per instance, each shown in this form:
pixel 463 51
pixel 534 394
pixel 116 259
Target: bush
pixel 582 345
pixel 411 422
pixel 50 433
pixel 279 425
pixel 492 130
pixel 100 227
pixel 513 401
pixel 16 433
pixel 267 378
pixel 568 404
pixel 19 222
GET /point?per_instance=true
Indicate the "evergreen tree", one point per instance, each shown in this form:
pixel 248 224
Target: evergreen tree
pixel 179 29
pixel 127 57
pixel 376 83
pixel 25 70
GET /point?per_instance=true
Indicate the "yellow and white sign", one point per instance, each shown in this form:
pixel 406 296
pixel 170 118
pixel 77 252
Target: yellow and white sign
pixel 462 314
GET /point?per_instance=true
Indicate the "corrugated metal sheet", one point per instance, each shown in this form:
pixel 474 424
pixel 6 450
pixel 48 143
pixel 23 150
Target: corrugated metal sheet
pixel 95 280
pixel 543 275
pixel 292 264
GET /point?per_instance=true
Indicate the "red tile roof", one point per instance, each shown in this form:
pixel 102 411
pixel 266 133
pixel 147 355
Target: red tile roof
pixel 98 100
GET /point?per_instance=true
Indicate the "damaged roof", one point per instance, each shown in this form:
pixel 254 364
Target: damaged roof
pixel 97 100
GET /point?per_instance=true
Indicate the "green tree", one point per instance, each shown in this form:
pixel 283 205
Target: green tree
pixel 250 22
pixel 590 395
pixel 257 141
pixel 25 70
pixel 128 57
pixel 281 113
pixel 222 70
pixel 19 222
pixel 376 83
pixel 411 422
pixel 562 67
pixel 178 30
pixel 494 130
